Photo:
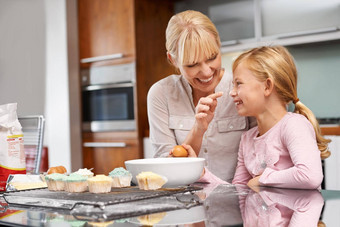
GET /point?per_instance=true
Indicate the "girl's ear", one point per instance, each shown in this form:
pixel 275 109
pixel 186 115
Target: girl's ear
pixel 269 86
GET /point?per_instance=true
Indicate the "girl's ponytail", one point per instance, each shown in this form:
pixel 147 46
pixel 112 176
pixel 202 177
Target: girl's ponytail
pixel 322 142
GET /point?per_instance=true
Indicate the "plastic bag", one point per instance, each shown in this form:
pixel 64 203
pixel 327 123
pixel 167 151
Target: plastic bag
pixel 12 154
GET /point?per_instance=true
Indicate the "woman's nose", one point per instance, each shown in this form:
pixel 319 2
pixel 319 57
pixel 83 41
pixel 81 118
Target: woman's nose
pixel 205 69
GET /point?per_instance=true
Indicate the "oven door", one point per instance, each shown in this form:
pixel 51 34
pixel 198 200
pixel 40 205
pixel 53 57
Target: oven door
pixel 108 107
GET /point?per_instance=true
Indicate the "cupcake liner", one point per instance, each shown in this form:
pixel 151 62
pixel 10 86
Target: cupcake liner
pixel 121 181
pixel 100 186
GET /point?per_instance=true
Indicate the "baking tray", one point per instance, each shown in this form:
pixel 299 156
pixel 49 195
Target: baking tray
pixel 119 203
pixel 65 200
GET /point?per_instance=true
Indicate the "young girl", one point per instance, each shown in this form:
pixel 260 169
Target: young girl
pixel 284 149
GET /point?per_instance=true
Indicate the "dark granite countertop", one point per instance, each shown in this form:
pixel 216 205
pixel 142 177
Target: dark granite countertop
pixel 214 205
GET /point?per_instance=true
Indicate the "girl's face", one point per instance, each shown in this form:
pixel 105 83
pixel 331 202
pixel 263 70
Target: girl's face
pixel 247 92
pixel 203 75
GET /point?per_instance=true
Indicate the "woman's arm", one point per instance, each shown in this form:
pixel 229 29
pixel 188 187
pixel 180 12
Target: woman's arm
pixel 204 114
pixel 161 136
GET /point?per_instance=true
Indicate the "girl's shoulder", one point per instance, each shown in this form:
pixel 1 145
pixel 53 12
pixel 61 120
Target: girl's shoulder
pixel 296 122
pixel 250 134
pixel 295 118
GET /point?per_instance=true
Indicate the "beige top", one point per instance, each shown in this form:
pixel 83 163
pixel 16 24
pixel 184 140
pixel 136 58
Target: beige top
pixel 171 114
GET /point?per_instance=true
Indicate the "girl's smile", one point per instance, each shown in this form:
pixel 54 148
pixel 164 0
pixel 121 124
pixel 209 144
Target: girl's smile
pixel 247 92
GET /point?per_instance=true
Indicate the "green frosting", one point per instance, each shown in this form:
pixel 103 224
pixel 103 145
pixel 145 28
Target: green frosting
pixel 119 172
pixel 55 176
pixel 75 178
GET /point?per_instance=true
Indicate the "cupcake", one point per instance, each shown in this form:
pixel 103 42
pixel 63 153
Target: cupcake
pixel 150 181
pixel 75 183
pixel 100 184
pixel 55 181
pixel 84 172
pixel 121 177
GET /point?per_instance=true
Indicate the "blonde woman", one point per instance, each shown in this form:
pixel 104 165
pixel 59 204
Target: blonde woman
pixel 285 149
pixel 194 107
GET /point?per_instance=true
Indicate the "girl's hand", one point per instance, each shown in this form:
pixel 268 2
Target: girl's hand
pixel 254 183
pixel 205 110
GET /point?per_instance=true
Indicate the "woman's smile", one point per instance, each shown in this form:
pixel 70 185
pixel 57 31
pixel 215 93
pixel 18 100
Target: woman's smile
pixel 206 81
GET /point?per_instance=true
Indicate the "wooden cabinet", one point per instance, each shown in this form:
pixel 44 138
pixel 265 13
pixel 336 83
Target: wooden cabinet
pixel 108 150
pixel 136 29
pixel 106 27
pixel 332 130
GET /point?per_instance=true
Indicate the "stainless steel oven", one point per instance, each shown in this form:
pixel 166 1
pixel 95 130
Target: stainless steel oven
pixel 108 100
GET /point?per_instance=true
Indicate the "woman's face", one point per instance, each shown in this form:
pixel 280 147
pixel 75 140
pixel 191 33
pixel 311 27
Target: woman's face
pixel 247 92
pixel 203 75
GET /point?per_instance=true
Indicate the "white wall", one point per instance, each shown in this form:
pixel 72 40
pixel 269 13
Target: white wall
pixel 332 165
pixel 34 70
pixel 57 100
pixel 22 55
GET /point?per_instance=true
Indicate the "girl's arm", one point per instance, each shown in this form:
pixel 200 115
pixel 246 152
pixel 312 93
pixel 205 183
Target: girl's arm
pixel 206 175
pixel 307 205
pixel 242 175
pixel 306 173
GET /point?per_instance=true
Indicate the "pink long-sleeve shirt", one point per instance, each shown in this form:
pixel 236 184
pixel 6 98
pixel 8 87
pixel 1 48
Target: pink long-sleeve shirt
pixel 281 207
pixel 286 156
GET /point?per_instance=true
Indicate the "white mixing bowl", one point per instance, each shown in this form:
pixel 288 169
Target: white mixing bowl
pixel 178 171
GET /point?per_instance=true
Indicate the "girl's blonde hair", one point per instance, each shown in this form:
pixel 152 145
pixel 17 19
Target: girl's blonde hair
pixel 189 35
pixel 278 64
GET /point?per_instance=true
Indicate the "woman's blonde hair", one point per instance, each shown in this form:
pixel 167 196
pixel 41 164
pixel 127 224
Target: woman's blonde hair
pixel 189 35
pixel 278 64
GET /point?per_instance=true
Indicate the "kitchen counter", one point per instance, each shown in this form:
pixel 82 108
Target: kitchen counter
pixel 210 205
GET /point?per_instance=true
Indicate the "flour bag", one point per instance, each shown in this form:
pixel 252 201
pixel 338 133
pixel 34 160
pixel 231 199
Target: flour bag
pixel 12 154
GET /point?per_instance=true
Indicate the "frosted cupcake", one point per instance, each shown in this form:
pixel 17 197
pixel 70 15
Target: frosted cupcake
pixel 75 183
pixel 55 181
pixel 120 177
pixel 150 181
pixel 99 184
pixel 84 172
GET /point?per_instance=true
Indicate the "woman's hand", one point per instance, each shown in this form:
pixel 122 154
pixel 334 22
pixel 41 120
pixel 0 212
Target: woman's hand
pixel 205 110
pixel 191 152
pixel 188 148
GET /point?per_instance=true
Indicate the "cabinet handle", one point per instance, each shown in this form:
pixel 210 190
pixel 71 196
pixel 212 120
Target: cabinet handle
pixel 102 58
pixel 311 32
pixel 107 86
pixel 105 144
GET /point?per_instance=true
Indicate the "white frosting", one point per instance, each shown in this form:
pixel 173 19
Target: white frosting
pixel 84 171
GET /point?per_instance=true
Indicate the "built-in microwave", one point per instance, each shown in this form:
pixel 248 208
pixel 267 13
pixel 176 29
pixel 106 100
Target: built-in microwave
pixel 108 98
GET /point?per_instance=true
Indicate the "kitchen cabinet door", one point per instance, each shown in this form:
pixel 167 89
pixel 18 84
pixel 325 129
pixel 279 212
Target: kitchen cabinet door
pixel 234 19
pixel 106 27
pixel 105 151
pixel 105 159
pixel 289 18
